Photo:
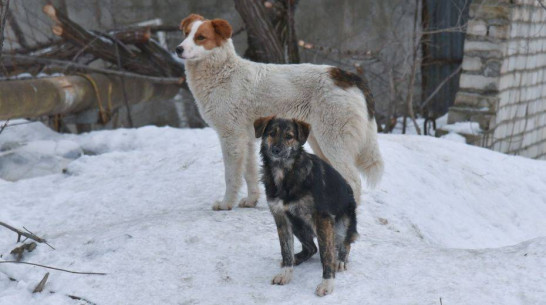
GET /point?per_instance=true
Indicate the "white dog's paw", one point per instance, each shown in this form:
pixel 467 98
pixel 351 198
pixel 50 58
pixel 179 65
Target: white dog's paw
pixel 325 287
pixel 221 206
pixel 248 202
pixel 341 266
pixel 284 277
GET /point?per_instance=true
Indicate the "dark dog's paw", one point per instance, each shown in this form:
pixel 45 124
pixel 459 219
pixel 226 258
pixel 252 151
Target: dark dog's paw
pixel 325 287
pixel 341 266
pixel 284 277
pixel 248 202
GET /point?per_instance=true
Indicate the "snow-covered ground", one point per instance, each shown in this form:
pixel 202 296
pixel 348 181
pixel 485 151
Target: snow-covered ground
pixel 449 221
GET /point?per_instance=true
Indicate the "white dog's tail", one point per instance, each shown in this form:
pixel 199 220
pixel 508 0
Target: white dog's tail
pixel 370 162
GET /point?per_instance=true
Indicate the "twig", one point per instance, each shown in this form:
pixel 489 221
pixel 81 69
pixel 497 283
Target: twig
pixel 41 285
pixel 53 268
pixel 45 242
pixel 541 4
pixel 450 76
pixel 4 125
pixel 25 234
pixel 73 297
pixel 124 91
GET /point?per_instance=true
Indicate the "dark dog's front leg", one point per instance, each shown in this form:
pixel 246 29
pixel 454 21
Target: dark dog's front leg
pixel 286 239
pixel 326 240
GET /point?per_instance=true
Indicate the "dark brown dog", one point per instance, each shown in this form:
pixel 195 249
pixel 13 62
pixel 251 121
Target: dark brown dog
pixel 307 198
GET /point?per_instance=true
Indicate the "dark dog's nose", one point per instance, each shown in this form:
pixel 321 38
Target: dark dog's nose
pixel 179 50
pixel 275 150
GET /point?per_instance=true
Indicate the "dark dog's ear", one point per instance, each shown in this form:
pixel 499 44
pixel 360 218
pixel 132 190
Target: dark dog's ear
pixel 303 130
pixel 260 125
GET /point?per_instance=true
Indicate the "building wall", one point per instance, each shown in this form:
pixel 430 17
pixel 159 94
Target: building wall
pixel 504 76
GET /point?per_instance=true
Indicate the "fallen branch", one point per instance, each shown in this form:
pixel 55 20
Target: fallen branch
pixel 25 234
pixel 41 285
pixel 63 64
pixel 52 268
pixel 4 126
pixel 98 44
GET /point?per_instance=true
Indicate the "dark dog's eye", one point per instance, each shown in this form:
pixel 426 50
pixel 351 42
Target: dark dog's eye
pixel 272 134
pixel 288 137
pixel 200 37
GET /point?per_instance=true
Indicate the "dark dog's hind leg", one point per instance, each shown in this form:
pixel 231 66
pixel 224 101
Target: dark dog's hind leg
pixel 345 235
pixel 326 239
pixel 308 246
pixel 305 235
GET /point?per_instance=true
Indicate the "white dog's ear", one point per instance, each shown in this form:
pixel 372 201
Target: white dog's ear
pixel 260 125
pixel 303 130
pixel 184 25
pixel 222 28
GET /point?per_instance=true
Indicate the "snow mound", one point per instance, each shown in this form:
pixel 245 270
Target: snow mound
pixel 449 221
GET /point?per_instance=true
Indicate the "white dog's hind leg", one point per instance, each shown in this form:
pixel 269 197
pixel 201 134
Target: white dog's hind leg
pixel 339 153
pixel 251 178
pixel 316 148
pixel 233 150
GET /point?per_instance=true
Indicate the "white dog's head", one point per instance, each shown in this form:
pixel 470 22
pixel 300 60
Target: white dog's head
pixel 202 36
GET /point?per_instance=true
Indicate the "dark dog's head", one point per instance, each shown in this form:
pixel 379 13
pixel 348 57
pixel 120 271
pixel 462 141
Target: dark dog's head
pixel 281 138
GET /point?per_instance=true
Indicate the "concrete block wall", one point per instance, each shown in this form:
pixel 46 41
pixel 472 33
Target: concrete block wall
pixel 503 83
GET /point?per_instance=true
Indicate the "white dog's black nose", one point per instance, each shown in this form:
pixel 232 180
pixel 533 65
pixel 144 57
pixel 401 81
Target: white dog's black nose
pixel 179 50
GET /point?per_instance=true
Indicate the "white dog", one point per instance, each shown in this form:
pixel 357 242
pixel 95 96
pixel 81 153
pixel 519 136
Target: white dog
pixel 232 93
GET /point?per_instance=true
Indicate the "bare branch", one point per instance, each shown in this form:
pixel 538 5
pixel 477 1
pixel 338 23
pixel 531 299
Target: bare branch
pixel 4 126
pixel 450 76
pixel 25 234
pixel 541 4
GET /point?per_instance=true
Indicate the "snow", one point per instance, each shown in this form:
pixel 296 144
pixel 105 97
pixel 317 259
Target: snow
pixel 468 127
pixel 449 221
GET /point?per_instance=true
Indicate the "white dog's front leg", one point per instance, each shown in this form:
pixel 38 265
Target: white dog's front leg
pixel 251 177
pixel 233 151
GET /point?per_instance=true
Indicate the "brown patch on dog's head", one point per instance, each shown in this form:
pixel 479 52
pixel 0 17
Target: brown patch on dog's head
pixel 185 25
pixel 212 33
pixel 281 138
pixel 344 80
pixel 260 125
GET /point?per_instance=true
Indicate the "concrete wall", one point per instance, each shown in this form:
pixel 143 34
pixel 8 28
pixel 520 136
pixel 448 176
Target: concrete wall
pixel 503 84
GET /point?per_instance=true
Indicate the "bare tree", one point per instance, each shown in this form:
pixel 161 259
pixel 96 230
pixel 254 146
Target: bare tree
pixel 270 30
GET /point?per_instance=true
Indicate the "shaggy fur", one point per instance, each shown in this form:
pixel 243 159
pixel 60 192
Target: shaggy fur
pixel 307 198
pixel 231 93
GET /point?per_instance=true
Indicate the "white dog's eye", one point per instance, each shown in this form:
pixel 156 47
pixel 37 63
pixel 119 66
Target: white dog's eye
pixel 200 37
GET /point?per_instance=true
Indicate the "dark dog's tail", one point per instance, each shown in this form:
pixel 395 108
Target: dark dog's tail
pixel 352 234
